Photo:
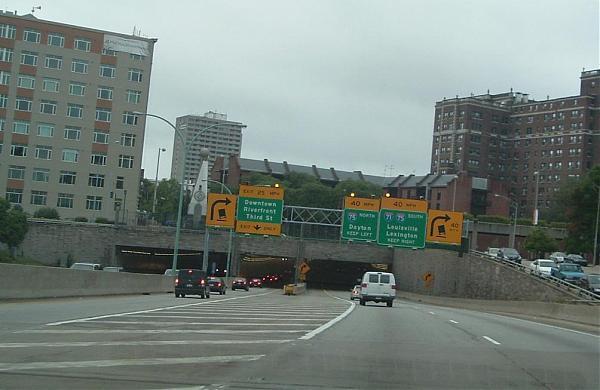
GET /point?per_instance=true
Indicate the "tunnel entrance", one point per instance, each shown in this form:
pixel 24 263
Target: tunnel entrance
pixel 339 275
pixel 273 271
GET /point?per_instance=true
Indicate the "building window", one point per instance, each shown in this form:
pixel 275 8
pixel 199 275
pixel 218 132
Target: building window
pixel 65 201
pixel 100 137
pixel 6 54
pixel 129 118
pixel 137 57
pixel 93 203
pixel 79 66
pixel 70 155
pixel 67 177
pixel 23 104
pixel 31 36
pixel 3 101
pixel 50 85
pixel 16 172
pixel 41 174
pixel 105 93
pixel 125 161
pixel 29 58
pixel 74 110
pixel 39 198
pixel 8 31
pixel 27 82
pixel 135 75
pixel 55 39
pixel 109 52
pixel 120 183
pixel 133 96
pixel 76 89
pixel 72 133
pixel 107 71
pixel 14 195
pixel 127 139
pixel 20 127
pixel 18 150
pixel 96 180
pixel 4 78
pixel 82 44
pixel 43 152
pixel 103 114
pixel 48 107
pixel 98 159
pixel 45 130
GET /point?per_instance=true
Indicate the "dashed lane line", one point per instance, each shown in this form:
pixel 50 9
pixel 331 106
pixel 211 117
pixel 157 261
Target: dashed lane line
pixel 161 331
pixel 491 340
pixel 229 318
pixel 73 344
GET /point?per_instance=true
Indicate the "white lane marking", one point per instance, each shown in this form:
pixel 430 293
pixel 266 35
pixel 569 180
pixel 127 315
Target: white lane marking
pixel 432 313
pixel 491 340
pixel 126 362
pixel 329 324
pixel 151 310
pixel 171 323
pixel 176 314
pixel 159 331
pixel 454 322
pixel 228 318
pixel 139 343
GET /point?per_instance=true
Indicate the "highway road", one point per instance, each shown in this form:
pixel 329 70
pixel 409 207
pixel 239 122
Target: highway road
pixel 264 340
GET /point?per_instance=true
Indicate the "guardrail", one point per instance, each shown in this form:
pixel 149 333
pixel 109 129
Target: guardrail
pixel 589 296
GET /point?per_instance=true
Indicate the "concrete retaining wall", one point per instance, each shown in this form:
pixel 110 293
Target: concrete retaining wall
pixel 24 281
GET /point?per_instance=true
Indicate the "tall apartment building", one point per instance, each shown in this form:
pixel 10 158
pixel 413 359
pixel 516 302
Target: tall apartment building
pixel 223 139
pixel 68 136
pixel 514 139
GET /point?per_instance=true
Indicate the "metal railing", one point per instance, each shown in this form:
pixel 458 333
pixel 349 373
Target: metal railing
pixel 589 296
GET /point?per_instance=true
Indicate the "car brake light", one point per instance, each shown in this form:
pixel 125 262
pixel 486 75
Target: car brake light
pixel 176 281
pixel 218 284
pixel 363 285
pixel 202 281
pixel 393 286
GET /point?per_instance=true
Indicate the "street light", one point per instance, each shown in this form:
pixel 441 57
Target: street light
pixel 156 181
pixel 535 209
pixel 185 147
pixel 513 237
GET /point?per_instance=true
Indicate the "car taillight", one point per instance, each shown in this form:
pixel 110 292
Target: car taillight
pixel 218 284
pixel 393 286
pixel 202 281
pixel 363 285
pixel 176 281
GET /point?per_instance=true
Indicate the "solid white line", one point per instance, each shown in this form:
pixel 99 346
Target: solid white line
pixel 454 322
pixel 491 340
pixel 159 331
pixel 329 324
pixel 219 312
pixel 171 323
pixel 228 318
pixel 126 362
pixel 151 310
pixel 138 343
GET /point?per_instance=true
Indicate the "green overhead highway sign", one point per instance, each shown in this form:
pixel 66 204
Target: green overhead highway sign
pixel 402 223
pixel 259 210
pixel 359 221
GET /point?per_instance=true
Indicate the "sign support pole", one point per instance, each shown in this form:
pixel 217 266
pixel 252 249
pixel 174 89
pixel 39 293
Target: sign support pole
pixel 205 252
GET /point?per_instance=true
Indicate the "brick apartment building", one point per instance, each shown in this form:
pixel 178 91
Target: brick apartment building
pixel 68 136
pixel 520 142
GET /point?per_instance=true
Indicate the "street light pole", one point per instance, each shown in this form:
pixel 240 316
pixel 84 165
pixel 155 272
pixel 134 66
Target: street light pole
pixel 185 147
pixel 596 232
pixel 156 180
pixel 535 208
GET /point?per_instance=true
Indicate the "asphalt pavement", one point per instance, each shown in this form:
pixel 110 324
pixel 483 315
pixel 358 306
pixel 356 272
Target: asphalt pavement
pixel 264 340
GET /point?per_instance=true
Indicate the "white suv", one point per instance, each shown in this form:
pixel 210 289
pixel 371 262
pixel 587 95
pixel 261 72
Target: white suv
pixel 378 287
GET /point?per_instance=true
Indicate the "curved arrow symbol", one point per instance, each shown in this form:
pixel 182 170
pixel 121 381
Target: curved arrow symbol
pixel 445 217
pixel 226 201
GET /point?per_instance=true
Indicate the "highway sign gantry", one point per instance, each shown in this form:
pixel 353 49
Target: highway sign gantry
pixel 444 227
pixel 260 210
pixel 359 221
pixel 402 223
pixel 221 210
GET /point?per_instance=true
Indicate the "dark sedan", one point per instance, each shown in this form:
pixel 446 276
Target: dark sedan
pixel 217 285
pixel 240 283
pixel 255 282
pixel 576 259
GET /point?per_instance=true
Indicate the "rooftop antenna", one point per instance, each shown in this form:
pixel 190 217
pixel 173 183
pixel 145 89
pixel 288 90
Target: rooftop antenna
pixel 39 7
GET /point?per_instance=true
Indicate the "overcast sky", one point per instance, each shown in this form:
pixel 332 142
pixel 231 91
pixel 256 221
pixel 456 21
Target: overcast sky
pixel 344 84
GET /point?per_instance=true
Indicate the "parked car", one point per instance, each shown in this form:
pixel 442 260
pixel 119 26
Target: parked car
pixel 217 285
pixel 191 282
pixel 492 252
pixel 113 269
pixel 558 257
pixel 255 282
pixel 542 267
pixel 576 259
pixel 593 282
pixel 509 254
pixel 572 273
pixel 355 294
pixel 378 287
pixel 240 283
pixel 86 266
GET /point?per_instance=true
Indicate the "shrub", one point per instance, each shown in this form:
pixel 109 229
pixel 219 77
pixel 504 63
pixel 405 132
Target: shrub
pixel 493 219
pixel 103 220
pixel 80 219
pixel 524 221
pixel 46 212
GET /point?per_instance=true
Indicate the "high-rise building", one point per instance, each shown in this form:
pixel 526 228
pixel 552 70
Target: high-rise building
pixel 532 146
pixel 68 136
pixel 223 138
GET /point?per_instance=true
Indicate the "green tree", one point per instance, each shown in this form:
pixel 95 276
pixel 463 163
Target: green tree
pixel 46 212
pixel 540 243
pixel 359 188
pixel 13 225
pixel 146 195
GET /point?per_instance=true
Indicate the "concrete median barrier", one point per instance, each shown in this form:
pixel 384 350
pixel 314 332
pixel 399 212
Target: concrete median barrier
pixel 294 289
pixel 24 281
